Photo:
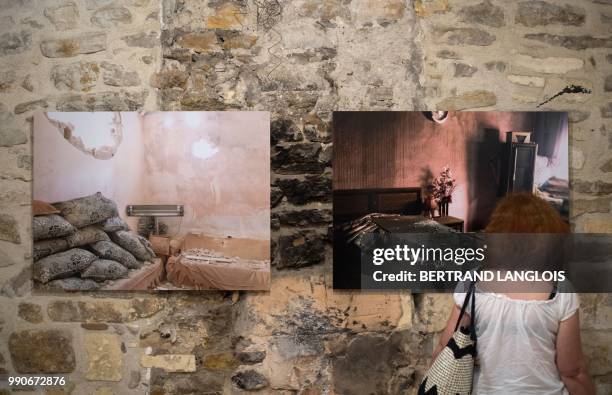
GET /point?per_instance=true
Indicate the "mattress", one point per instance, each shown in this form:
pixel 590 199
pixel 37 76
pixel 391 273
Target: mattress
pixel 204 269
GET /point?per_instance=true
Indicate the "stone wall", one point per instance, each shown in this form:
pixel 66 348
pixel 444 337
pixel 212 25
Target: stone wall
pixel 300 60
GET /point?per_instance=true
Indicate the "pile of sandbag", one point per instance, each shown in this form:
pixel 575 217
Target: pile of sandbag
pixel 82 243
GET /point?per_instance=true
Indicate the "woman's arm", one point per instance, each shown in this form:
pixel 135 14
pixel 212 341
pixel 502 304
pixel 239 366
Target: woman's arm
pixel 448 331
pixel 570 360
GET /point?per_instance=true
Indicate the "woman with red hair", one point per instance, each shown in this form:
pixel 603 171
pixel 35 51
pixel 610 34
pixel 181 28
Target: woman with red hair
pixel 528 342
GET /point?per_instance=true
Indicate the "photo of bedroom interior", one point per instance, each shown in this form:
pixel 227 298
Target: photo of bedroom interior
pixel 432 172
pixel 151 201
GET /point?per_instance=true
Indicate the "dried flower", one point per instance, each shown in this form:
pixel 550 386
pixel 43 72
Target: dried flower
pixel 443 186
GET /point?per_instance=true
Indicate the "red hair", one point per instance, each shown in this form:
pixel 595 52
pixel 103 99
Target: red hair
pixel 525 213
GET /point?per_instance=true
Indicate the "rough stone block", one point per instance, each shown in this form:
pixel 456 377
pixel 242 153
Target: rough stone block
pixel 110 16
pixel 577 43
pixel 284 130
pixel 598 356
pixel 301 249
pixel 199 42
pixel 15 42
pixel 484 13
pixel 169 78
pixel 77 76
pixel 228 16
pixel 30 106
pixel 375 359
pixel 10 137
pixel 169 362
pixel 597 225
pixel 104 356
pixel 103 101
pixel 104 310
pixel 464 70
pixel 466 36
pixel 606 110
pixel 307 217
pixel 301 191
pixel 426 8
pixel 142 40
pixel 432 311
pixel 298 158
pixel 549 65
pixel 7 79
pixel 468 100
pixel 526 80
pixel 541 13
pixel 30 312
pixel 595 188
pixel 63 16
pixel 42 351
pixel 9 230
pixel 85 43
pixel 250 380
pixel 116 75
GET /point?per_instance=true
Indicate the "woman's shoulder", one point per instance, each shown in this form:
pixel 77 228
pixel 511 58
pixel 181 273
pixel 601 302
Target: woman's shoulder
pixel 568 301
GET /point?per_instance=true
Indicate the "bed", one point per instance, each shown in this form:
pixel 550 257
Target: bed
pixel 360 212
pixel 211 263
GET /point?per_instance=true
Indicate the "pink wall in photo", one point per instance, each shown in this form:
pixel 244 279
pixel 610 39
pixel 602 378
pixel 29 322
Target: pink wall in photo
pixel 215 163
pixel 63 172
pixel 400 149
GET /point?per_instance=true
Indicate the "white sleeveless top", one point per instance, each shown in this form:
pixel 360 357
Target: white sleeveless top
pixel 516 343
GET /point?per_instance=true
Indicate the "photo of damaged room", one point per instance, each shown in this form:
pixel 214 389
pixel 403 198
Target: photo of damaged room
pixel 438 171
pixel 151 201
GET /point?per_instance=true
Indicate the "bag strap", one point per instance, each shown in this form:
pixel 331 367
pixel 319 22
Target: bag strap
pixel 470 296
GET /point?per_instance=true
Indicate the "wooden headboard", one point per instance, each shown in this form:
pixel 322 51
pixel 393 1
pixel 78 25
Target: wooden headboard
pixel 353 203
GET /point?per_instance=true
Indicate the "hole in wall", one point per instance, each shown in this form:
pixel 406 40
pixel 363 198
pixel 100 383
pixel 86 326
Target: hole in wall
pixel 100 139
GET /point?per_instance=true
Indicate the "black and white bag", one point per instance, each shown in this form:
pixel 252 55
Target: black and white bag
pixel 453 370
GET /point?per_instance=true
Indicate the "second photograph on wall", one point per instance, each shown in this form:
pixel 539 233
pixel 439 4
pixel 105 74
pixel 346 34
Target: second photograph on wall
pixel 437 171
pixel 151 201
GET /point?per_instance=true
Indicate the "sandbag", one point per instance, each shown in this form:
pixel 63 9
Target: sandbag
pixel 147 245
pixel 85 236
pixel 47 247
pixel 110 250
pixel 114 224
pixel 50 226
pixel 134 244
pixel 61 265
pixel 87 210
pixel 104 269
pixel 71 284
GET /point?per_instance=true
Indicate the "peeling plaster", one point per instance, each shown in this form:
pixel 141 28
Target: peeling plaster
pixel 102 152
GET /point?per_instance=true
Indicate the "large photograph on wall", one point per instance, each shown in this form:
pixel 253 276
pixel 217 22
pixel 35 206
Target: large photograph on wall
pixel 151 201
pixel 433 172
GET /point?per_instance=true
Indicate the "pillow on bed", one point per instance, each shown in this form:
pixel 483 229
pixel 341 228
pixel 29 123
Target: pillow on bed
pixel 43 208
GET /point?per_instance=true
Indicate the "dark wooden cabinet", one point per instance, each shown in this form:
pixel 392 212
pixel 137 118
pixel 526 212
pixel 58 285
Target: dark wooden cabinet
pixel 518 172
